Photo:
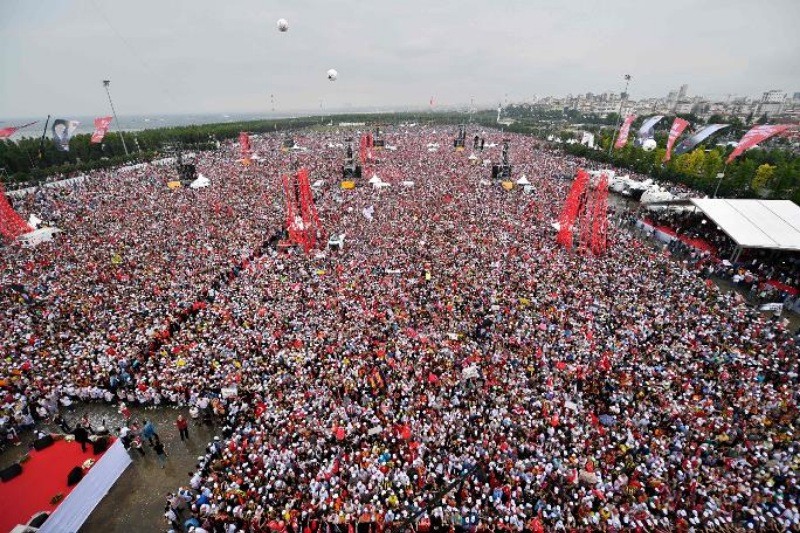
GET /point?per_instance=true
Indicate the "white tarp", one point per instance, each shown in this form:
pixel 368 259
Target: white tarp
pixel 336 240
pixel 523 180
pixel 34 221
pixel 38 236
pixel 773 224
pixel 471 372
pixel 200 183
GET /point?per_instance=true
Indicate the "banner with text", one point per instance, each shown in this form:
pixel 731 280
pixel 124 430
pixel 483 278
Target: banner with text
pixel 756 135
pixel 674 132
pixel 100 128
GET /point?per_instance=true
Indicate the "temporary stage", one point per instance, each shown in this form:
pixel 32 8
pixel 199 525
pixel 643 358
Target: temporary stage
pixel 44 475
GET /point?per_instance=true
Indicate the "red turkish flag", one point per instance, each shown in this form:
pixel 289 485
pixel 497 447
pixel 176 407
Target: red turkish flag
pixel 622 140
pixel 8 132
pixel 674 132
pixel 100 128
pixel 756 135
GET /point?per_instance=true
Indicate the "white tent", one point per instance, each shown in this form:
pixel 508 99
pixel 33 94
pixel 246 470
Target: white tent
pixel 317 184
pixel 655 194
pixel 336 241
pixel 374 179
pixel 38 236
pixel 407 183
pixel 34 221
pixel 200 183
pixel 523 180
pixel 770 224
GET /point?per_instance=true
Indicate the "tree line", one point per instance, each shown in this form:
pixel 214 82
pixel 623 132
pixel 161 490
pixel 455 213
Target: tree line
pixel 773 173
pixel 758 173
pixel 29 160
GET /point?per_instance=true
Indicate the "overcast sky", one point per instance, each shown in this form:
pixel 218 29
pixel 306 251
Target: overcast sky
pixel 203 56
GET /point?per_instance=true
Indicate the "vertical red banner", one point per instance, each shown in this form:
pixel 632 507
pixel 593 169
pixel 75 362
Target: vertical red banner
pixel 244 144
pixel 622 139
pixel 674 132
pixel 100 129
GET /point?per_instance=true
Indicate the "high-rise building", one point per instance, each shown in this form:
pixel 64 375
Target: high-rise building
pixel 774 96
pixel 772 102
pixel 683 92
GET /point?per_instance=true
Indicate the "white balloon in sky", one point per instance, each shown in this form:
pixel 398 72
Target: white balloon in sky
pixel 283 24
pixel 649 145
pixel 332 74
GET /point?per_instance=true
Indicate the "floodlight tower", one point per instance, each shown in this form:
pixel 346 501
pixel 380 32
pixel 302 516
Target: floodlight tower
pixel 623 98
pixel 106 84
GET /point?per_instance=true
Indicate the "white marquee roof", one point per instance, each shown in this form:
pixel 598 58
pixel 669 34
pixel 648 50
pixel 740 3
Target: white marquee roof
pixel 773 224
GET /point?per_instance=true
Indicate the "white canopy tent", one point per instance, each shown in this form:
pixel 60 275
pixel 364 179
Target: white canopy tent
pixel 37 237
pixel 200 183
pixel 765 224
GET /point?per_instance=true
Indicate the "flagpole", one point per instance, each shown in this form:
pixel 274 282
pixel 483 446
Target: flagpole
pixel 106 83
pixel 619 118
pixel 44 132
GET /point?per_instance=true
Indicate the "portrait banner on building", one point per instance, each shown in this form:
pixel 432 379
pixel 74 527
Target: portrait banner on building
pixel 62 133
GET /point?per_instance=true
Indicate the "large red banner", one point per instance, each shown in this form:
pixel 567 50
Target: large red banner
pixel 100 128
pixel 8 132
pixel 622 140
pixel 756 135
pixel 244 144
pixel 674 132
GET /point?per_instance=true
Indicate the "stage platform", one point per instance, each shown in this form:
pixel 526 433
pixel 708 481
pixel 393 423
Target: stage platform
pixel 45 474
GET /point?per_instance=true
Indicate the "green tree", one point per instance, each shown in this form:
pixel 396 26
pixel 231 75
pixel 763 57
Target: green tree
pixel 695 161
pixel 713 164
pixel 763 178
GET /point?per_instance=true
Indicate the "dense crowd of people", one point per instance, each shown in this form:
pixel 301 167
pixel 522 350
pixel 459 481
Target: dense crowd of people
pixel 450 367
pixel 769 274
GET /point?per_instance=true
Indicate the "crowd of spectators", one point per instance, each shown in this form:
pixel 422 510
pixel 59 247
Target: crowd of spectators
pixel 451 367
